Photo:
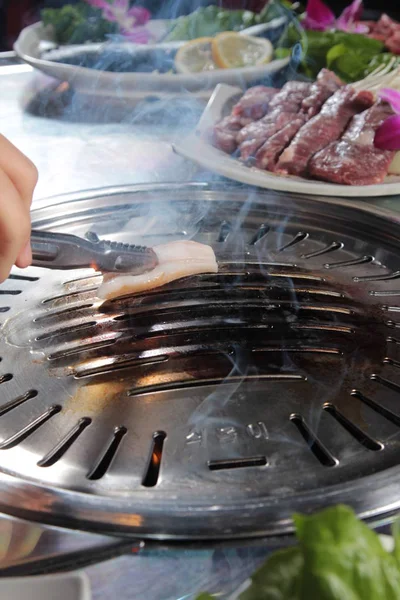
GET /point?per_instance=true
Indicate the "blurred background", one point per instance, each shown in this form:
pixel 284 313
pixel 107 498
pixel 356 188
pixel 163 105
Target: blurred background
pixel 17 14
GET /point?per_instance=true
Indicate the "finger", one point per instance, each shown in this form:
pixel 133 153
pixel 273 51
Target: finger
pixel 14 225
pixel 19 169
pixel 24 258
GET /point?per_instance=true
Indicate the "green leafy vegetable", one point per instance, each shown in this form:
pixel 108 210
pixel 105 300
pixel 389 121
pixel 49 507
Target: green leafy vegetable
pixel 352 56
pixel 210 20
pixel 278 578
pixel 338 557
pixel 77 24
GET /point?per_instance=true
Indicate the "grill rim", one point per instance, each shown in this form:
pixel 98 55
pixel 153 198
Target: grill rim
pixel 59 506
pixel 111 515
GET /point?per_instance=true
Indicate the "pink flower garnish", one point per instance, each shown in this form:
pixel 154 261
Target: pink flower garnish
pixel 98 3
pixel 320 17
pixel 392 97
pixel 138 35
pixel 387 136
pixel 130 21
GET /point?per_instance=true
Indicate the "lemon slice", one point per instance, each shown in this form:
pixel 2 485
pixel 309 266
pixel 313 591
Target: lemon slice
pixel 195 56
pixel 231 50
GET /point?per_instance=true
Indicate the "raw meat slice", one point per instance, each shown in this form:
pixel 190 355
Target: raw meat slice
pixel 267 156
pixel 393 43
pixel 256 134
pixel 354 160
pixel 327 83
pixel 291 96
pixel 176 260
pixel 363 126
pixel 347 163
pixel 255 130
pixel 225 133
pixel 325 127
pixel 255 102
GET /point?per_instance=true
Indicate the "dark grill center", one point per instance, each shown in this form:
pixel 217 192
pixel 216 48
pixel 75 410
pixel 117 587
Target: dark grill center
pixel 220 404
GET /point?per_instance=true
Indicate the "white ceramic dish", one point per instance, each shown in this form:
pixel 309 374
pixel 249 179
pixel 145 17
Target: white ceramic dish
pixel 66 586
pixel 29 47
pixel 198 148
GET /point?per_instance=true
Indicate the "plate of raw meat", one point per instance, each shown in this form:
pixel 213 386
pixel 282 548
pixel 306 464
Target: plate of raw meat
pixel 315 138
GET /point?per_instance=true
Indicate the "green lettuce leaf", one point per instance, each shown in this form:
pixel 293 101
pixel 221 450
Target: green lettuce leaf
pixel 338 557
pixel 344 558
pixel 278 578
pixel 77 24
pixel 210 20
pixel 349 55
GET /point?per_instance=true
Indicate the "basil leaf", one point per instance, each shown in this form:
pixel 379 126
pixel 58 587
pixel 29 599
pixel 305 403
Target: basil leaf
pixel 344 558
pixel 278 578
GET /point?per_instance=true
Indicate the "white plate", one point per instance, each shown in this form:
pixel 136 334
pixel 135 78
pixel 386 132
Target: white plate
pixel 66 586
pixel 198 148
pixel 29 48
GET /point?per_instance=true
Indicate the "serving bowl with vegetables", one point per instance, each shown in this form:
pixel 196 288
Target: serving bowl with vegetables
pixel 137 55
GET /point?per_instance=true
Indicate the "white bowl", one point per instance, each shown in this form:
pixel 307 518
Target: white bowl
pixel 29 47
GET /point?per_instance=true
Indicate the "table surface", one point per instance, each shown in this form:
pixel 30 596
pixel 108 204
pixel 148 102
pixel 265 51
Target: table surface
pixel 82 143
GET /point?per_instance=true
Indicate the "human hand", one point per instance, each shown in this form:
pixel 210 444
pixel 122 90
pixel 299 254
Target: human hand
pixel 18 178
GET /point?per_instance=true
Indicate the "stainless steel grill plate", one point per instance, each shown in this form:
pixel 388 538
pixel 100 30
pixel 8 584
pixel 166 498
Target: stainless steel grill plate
pixel 217 406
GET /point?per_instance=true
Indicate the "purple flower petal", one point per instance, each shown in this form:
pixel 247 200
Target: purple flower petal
pixel 392 97
pixel 98 3
pixel 121 5
pixel 360 28
pixel 109 14
pixel 318 15
pixel 387 136
pixel 140 14
pixel 350 15
pixel 139 35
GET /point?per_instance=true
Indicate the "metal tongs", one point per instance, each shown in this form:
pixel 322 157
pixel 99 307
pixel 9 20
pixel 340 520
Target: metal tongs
pixel 64 251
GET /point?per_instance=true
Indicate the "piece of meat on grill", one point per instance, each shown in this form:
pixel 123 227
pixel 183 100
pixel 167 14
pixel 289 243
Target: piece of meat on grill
pixel 254 103
pixel 175 261
pixel 327 126
pixel 354 160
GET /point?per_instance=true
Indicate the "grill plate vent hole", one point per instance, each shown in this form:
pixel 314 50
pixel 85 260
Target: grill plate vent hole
pixel 260 233
pixel 315 445
pixel 355 431
pixel 5 408
pixel 299 237
pixel 152 472
pixel 23 278
pixel 105 460
pixel 60 449
pixel 385 412
pixel 237 463
pixel 224 232
pixel 26 431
